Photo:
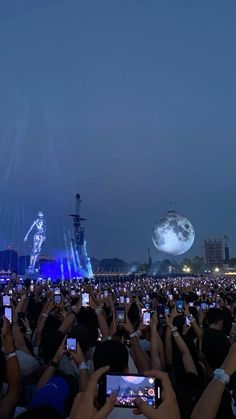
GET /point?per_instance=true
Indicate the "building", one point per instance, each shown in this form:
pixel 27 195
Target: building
pixel 213 253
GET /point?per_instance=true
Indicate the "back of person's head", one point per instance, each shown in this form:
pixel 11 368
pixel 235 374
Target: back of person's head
pixel 50 344
pixel 111 353
pixel 45 412
pixel 215 347
pixel 81 334
pixel 227 321
pixel 133 314
pixel 214 317
pixel 58 393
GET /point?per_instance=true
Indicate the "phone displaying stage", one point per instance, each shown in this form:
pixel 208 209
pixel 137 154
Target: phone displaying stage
pixel 6 300
pixel 179 305
pixel 122 299
pixel 120 315
pixel 71 344
pixel 146 318
pixel 130 387
pixel 85 299
pixel 57 299
pixel 203 306
pixel 8 313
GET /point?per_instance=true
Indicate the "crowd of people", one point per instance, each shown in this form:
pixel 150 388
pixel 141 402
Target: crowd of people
pixel 61 340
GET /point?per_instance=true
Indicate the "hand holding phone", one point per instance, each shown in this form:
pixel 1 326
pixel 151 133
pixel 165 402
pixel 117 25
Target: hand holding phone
pixel 130 387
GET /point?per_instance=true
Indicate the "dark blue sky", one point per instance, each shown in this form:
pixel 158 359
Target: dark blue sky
pixel 129 102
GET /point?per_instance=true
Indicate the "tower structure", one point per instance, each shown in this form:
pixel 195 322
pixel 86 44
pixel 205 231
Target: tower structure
pixel 213 253
pixel 79 246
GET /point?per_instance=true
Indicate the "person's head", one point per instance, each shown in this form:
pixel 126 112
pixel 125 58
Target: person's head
pixel 111 353
pixel 58 393
pixel 81 334
pixel 215 347
pixel 214 318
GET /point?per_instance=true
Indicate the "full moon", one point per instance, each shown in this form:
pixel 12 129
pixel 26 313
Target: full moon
pixel 173 234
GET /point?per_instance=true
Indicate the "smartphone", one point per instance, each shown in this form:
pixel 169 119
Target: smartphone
pixel 127 300
pixel 179 305
pixel 57 299
pixel 85 299
pixel 146 318
pixel 147 306
pixel 31 288
pixel 71 344
pixel 129 387
pixel 8 313
pixel 120 314
pixel 203 306
pixel 187 321
pixel 105 294
pixel 170 296
pixel 122 299
pixel 72 293
pixel 167 310
pixel 190 304
pixel 6 300
pixel 57 291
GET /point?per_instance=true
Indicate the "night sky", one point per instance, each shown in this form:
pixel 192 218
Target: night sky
pixel 129 102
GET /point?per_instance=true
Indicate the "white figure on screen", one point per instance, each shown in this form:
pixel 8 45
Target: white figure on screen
pixel 39 238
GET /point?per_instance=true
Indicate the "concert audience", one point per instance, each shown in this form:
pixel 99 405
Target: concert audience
pixel 59 340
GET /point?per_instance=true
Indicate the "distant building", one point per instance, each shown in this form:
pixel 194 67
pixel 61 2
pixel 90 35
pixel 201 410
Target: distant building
pixel 214 253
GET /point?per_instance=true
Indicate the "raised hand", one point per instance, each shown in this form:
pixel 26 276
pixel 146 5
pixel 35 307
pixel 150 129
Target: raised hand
pixel 168 408
pixel 83 406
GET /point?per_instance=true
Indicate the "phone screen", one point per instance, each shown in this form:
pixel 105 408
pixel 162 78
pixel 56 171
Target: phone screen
pixel 71 344
pixel 122 299
pixel 187 321
pixel 146 318
pixel 6 299
pixel 120 315
pixel 179 305
pixel 203 306
pixel 129 387
pixel 31 288
pixel 8 313
pixel 85 299
pixel 57 291
pixel 127 300
pixel 57 299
